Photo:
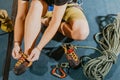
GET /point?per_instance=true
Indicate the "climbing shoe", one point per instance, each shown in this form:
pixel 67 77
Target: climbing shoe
pixel 71 55
pixel 22 64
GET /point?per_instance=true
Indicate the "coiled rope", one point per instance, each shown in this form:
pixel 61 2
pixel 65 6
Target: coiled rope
pixel 109 42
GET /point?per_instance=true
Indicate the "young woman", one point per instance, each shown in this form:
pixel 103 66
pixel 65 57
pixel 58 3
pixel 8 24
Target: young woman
pixel 66 18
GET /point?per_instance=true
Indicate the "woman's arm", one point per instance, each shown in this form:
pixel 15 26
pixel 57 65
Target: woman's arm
pixel 54 24
pixel 19 27
pixel 19 22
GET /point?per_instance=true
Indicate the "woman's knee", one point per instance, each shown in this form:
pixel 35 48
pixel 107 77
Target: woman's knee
pixel 80 30
pixel 36 3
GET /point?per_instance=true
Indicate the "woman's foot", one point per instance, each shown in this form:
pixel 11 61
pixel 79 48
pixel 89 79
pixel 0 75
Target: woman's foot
pixel 22 64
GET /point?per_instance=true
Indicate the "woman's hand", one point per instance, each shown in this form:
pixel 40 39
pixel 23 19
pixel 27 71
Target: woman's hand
pixel 16 51
pixel 34 56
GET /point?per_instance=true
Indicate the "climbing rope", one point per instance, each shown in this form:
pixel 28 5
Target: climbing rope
pixel 109 42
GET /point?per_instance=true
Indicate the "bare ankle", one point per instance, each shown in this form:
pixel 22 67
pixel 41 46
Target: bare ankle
pixel 27 52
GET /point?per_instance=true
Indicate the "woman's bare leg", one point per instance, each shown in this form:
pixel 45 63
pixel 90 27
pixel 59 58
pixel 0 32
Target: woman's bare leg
pixel 75 29
pixel 32 25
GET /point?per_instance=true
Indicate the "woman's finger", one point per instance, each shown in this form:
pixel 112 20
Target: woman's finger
pixel 35 58
pixel 31 56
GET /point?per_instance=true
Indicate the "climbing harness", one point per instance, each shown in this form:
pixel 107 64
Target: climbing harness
pixel 103 21
pixel 60 70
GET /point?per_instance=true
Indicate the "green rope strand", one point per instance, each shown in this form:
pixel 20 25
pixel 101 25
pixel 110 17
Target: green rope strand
pixel 109 41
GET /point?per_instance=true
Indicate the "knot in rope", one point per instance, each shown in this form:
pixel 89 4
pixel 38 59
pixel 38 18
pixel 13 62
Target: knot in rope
pixel 96 68
pixel 110 56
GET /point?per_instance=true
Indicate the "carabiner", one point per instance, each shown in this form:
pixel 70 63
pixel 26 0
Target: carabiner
pixel 61 73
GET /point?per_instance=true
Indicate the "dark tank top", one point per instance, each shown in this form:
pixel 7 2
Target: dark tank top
pixel 56 2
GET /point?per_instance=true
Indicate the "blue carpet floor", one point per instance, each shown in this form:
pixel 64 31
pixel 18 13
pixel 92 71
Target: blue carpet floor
pixel 42 68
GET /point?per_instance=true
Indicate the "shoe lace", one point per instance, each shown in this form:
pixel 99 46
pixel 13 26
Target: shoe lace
pixel 72 54
pixel 21 60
